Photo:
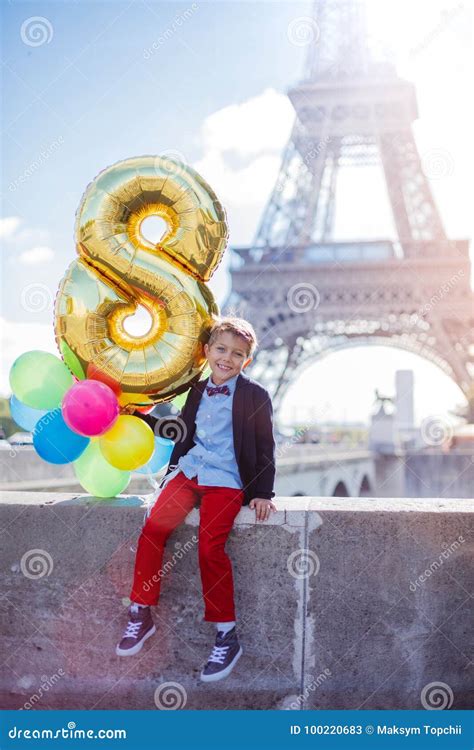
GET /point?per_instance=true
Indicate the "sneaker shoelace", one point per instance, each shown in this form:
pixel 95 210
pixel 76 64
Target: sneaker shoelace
pixel 218 654
pixel 132 629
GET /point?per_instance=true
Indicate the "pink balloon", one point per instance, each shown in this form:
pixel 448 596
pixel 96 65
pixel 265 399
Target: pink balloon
pixel 90 408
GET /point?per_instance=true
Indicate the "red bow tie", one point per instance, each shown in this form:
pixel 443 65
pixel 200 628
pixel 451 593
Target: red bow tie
pixel 218 389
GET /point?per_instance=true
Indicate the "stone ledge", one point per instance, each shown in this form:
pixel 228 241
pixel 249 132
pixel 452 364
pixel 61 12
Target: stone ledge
pixel 283 504
pixel 358 629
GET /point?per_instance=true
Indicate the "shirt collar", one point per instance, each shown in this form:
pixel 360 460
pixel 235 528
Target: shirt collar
pixel 231 383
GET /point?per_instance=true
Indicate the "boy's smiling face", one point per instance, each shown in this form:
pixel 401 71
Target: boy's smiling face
pixel 227 356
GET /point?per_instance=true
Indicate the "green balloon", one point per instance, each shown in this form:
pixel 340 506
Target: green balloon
pixel 97 476
pixel 180 400
pixel 40 379
pixel 71 360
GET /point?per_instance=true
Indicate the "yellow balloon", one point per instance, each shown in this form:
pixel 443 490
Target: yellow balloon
pixel 119 270
pixel 128 444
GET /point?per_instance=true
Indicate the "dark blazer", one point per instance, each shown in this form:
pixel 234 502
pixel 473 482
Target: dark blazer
pixel 252 425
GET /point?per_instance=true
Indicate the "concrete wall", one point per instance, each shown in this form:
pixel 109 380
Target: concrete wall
pixel 440 474
pixel 332 610
pixel 21 464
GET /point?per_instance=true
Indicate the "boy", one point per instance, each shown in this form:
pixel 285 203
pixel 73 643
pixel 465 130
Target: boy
pixel 224 460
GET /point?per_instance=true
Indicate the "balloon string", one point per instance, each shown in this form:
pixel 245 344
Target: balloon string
pixel 152 481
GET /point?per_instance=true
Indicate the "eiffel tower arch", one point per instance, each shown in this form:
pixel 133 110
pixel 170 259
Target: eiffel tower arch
pixel 309 294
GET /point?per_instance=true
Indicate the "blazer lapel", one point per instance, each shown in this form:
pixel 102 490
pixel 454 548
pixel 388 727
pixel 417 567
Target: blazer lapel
pixel 238 412
pixel 197 390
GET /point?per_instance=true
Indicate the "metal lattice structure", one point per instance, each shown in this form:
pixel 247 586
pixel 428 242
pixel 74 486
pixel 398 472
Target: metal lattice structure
pixel 307 293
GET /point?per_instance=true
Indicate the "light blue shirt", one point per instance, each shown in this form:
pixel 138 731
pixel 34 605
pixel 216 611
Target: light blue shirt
pixel 212 458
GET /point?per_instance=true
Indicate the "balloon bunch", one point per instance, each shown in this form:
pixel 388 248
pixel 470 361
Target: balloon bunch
pixel 75 407
pixel 79 421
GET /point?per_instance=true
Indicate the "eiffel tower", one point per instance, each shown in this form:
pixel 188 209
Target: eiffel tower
pixel 309 294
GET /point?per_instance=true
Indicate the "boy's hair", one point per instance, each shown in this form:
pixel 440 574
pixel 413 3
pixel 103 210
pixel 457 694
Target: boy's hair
pixel 236 326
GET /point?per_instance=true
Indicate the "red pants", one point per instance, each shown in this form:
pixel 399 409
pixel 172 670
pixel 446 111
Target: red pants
pixel 219 507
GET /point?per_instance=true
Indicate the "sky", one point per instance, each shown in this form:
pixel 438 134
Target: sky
pixel 89 83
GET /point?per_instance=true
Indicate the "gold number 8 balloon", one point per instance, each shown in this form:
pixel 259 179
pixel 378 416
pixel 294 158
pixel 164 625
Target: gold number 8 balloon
pixel 119 269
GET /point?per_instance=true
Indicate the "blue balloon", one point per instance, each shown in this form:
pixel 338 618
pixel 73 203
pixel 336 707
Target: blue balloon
pixel 55 442
pixel 160 457
pixel 24 415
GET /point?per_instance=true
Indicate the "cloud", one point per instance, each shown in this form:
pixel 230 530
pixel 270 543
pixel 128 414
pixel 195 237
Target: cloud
pixel 17 338
pixel 244 185
pixel 22 238
pixel 27 246
pixel 259 125
pixel 242 146
pixel 40 254
pixel 8 226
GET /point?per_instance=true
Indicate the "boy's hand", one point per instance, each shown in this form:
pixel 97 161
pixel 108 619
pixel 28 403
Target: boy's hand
pixel 262 508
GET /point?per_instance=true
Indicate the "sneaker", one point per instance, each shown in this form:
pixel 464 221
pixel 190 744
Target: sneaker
pixel 223 658
pixel 140 627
